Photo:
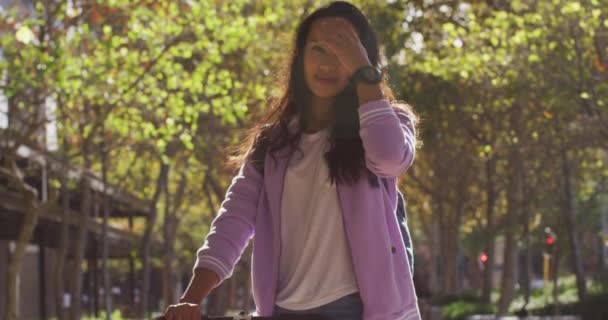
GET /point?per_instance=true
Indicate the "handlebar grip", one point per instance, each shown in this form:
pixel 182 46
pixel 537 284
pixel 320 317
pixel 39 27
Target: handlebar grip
pixel 202 318
pixel 283 317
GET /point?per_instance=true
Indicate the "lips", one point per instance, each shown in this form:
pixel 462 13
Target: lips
pixel 326 79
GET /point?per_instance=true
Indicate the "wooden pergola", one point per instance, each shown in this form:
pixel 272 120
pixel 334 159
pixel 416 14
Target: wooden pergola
pixel 47 233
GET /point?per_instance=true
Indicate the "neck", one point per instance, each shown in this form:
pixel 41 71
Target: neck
pixel 321 115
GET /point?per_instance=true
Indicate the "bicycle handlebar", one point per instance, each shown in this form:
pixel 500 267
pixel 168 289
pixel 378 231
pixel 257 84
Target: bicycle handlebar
pixel 247 317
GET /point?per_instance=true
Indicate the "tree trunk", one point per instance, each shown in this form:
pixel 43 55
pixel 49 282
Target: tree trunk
pixel 169 279
pixel 555 267
pixel 604 228
pixel 450 239
pixel 105 246
pixel 30 218
pixel 450 255
pixel 62 247
pixel 490 234
pixel 436 252
pixel 168 256
pixel 441 248
pixel 169 233
pixel 80 247
pixel 507 289
pixel 147 239
pixel 514 196
pixel 569 212
pixel 527 264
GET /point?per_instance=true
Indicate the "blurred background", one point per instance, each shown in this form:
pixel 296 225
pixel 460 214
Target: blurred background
pixel 116 118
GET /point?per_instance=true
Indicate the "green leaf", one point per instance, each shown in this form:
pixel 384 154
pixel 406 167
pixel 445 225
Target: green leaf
pixel 186 140
pixel 572 7
pixel 448 28
pixel 25 35
pixel 552 45
pixel 533 58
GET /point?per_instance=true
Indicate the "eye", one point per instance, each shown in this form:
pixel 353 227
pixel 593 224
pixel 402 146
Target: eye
pixel 317 48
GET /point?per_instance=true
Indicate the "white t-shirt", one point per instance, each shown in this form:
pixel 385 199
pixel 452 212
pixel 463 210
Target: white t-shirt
pixel 315 264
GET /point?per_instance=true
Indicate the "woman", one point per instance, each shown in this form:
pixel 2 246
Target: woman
pixel 317 187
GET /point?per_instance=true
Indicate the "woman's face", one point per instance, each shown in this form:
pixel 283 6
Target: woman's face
pixel 325 75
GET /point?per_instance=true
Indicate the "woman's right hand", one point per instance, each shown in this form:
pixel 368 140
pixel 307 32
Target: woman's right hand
pixel 183 311
pixel 188 308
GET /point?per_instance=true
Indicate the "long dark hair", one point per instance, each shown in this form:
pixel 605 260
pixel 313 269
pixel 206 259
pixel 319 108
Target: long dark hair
pixel 345 158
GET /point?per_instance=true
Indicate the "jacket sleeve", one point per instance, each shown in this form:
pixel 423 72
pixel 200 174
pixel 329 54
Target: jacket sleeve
pixel 233 227
pixel 389 138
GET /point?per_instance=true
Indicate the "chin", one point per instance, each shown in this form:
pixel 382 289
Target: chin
pixel 325 93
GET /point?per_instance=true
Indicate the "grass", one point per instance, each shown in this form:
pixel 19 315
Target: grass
pixel 460 309
pixel 458 306
pixel 567 294
pixel 116 315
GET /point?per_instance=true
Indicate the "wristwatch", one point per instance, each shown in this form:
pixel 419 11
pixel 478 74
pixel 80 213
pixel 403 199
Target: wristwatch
pixel 367 74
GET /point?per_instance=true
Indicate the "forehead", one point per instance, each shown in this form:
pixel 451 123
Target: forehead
pixel 316 31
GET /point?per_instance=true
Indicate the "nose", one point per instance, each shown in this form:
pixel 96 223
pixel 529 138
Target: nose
pixel 329 62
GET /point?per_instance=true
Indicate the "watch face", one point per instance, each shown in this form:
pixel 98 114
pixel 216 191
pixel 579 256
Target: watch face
pixel 368 74
pixel 371 75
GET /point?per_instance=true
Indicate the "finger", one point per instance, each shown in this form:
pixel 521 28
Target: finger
pixel 341 25
pixel 337 39
pixel 194 314
pixel 346 30
pixel 169 313
pixel 347 34
pixel 329 45
pixel 340 37
pixel 332 35
pixel 352 35
pixel 332 27
pixel 347 26
pixel 184 312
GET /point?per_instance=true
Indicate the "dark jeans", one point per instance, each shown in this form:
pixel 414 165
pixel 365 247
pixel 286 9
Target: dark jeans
pixel 349 307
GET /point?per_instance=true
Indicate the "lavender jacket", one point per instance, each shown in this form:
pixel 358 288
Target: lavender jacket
pixel 252 207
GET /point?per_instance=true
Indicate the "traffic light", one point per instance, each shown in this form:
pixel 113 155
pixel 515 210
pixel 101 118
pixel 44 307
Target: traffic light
pixel 483 260
pixel 483 257
pixel 550 240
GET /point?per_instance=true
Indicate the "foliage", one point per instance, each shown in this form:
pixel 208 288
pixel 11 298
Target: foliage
pixel 592 308
pixel 459 310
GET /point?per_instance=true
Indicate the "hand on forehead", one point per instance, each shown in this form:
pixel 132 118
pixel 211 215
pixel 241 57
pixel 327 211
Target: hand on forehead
pixel 327 28
pixel 336 22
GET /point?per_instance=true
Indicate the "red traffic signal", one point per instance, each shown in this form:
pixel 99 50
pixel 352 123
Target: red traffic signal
pixel 550 241
pixel 483 258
